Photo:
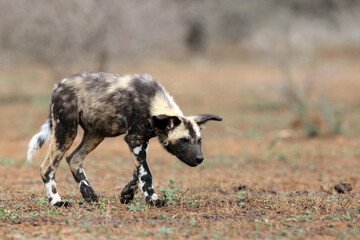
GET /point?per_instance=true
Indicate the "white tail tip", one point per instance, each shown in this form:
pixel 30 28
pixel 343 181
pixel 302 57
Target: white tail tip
pixel 38 140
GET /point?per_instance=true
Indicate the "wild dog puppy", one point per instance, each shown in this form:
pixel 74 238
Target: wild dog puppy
pixel 108 105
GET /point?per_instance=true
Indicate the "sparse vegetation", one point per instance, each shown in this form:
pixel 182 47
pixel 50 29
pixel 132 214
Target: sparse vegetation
pixel 170 193
pixel 314 117
pixel 5 160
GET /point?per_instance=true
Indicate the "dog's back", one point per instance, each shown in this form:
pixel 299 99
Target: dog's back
pixel 104 102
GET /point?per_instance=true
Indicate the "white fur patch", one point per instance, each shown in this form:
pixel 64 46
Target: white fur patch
pixel 154 197
pixel 141 184
pixel 143 77
pixel 141 173
pixel 85 182
pixel 178 132
pixel 81 170
pixel 51 175
pixel 122 83
pixel 195 127
pixel 55 196
pixel 44 135
pixel 137 150
pixel 163 103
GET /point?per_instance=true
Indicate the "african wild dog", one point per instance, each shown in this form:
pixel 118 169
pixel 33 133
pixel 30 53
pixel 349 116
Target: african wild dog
pixel 108 105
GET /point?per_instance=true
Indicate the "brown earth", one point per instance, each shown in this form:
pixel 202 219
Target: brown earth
pixel 289 177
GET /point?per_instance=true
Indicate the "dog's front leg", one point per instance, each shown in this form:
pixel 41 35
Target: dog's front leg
pixel 144 179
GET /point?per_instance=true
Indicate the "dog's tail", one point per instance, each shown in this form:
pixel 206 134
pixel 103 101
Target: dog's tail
pixel 38 140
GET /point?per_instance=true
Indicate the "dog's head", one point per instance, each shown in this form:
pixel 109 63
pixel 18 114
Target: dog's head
pixel 181 135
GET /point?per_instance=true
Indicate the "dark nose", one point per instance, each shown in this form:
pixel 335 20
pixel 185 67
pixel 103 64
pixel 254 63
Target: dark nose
pixel 199 159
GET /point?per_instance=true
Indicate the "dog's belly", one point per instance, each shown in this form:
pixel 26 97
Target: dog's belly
pixel 103 122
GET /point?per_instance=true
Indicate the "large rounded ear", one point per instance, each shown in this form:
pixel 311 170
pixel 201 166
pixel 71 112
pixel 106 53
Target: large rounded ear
pixel 164 123
pixel 201 119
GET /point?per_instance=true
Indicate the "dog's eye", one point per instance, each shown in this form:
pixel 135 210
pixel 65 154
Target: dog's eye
pixel 184 140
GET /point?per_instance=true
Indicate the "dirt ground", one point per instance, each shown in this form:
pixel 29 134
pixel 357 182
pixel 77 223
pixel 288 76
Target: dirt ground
pixel 262 177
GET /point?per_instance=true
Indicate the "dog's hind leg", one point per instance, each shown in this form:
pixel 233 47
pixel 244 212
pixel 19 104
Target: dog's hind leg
pixel 63 135
pixel 128 193
pixel 75 161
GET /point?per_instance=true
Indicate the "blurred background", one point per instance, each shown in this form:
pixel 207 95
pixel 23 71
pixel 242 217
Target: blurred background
pixel 274 70
pixel 98 34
